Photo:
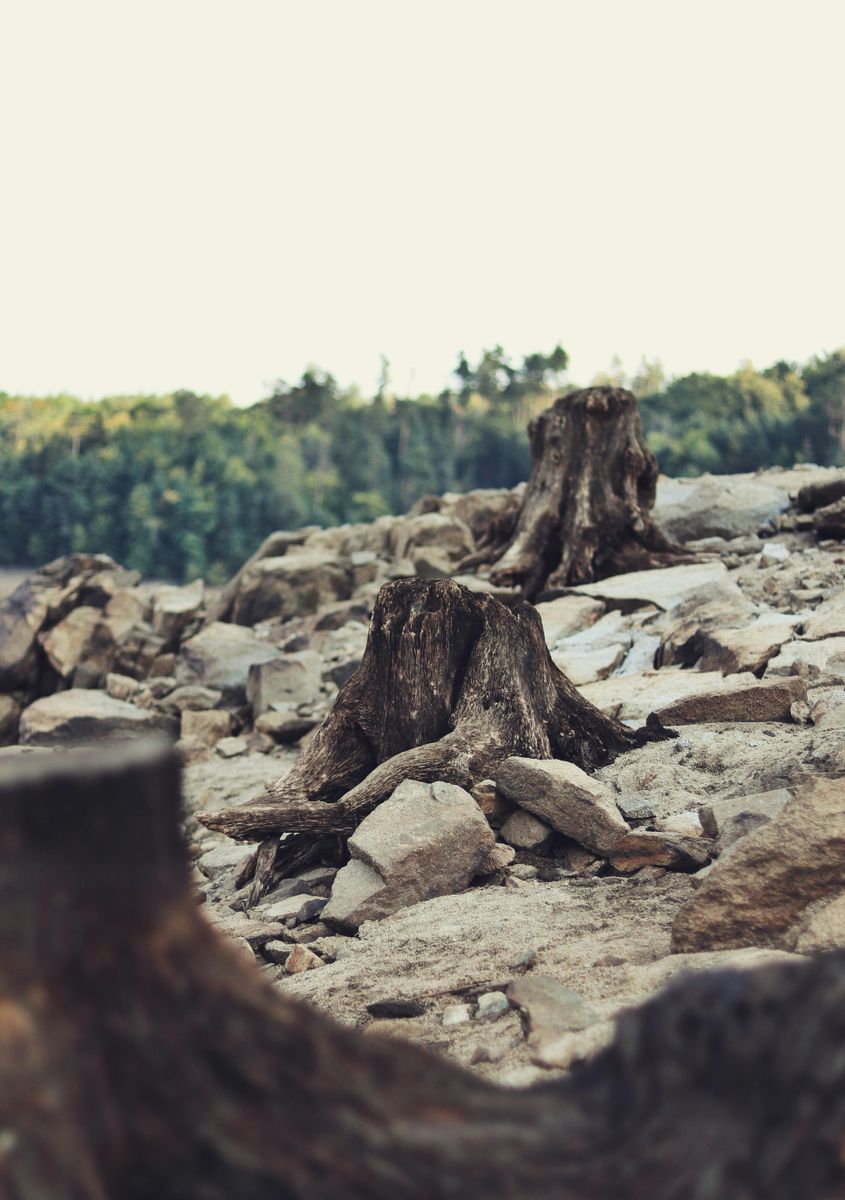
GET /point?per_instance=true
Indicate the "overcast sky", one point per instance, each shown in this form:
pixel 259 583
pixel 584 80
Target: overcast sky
pixel 214 193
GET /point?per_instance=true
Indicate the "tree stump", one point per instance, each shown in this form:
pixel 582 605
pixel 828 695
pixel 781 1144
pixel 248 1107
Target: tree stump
pixel 451 683
pixel 142 1057
pixel 586 513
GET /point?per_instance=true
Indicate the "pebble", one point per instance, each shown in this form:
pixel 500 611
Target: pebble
pixel 492 1005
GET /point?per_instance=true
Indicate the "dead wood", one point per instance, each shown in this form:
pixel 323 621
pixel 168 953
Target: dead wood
pixel 143 1058
pixel 451 683
pixel 586 513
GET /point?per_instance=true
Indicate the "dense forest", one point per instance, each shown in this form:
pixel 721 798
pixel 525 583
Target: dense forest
pixel 186 485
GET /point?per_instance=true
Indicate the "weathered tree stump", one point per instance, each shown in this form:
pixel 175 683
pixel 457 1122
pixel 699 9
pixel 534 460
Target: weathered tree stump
pixel 451 683
pixel 143 1058
pixel 586 513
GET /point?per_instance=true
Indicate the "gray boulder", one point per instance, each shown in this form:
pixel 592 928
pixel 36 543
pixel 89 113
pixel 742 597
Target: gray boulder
pixel 427 839
pixel 220 657
pixel 299 583
pixel 285 682
pixel 716 506
pixel 566 798
pixel 82 715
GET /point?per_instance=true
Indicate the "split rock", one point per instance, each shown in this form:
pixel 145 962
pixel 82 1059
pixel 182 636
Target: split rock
pixel 566 798
pixel 765 882
pixel 427 839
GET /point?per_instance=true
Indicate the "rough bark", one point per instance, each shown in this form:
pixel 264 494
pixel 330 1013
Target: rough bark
pixel 586 513
pixel 143 1058
pixel 451 683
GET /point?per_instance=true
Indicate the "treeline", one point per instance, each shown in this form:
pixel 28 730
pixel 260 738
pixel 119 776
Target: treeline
pixel 186 485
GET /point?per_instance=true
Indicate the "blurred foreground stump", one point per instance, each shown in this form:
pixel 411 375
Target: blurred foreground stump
pixel 143 1058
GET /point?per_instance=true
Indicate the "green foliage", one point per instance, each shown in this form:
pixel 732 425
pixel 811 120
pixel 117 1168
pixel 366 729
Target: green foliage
pixel 187 485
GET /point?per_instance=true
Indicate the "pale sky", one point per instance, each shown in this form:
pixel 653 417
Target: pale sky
pixel 211 194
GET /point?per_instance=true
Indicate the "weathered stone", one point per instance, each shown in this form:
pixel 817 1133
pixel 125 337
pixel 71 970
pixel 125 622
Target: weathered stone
pixel 220 657
pixel 232 747
pixel 192 696
pixel 562 1051
pixel 223 858
pixel 43 599
pixel 548 1006
pixel 566 798
pixel 456 1014
pixel 633 697
pixel 122 687
pixel 821 928
pixel 285 726
pixel 426 840
pixel 82 715
pixel 296 584
pixel 810 659
pixel 283 909
pixel 277 952
pixel 748 648
pixel 302 959
pixel 500 856
pixel 717 816
pixel 208 726
pixel 525 831
pixel 494 806
pixel 667 587
pixel 491 1006
pixel 567 615
pixel 763 884
pixel 688 824
pixel 646 848
pixel 10 711
pixel 768 700
pixel 284 682
pixel 582 663
pixel 828 620
pixel 449 536
pixel 720 506
pixel 174 608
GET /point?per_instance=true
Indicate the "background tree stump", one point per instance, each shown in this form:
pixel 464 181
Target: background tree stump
pixel 451 683
pixel 586 511
pixel 143 1058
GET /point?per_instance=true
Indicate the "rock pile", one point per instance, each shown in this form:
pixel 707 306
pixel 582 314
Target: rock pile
pixel 512 925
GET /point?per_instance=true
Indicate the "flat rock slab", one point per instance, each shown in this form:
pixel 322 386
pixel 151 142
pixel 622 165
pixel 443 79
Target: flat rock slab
pixel 549 1006
pixel 426 839
pixel 826 656
pixel 666 587
pixel 716 506
pixel 770 700
pixel 83 715
pixel 565 798
pixel 766 881
pixel 633 697
pixel 568 615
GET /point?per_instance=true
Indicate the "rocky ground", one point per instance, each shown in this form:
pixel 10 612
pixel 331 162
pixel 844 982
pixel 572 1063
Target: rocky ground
pixel 568 897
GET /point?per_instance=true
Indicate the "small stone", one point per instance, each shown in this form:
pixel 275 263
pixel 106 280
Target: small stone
pixel 232 747
pixel 642 848
pixel 524 872
pixel 549 1006
pixel 634 808
pixel 488 798
pixel 276 952
pixel 524 830
pixel 492 1005
pixel 208 727
pixel 285 908
pixel 122 687
pixel 773 553
pixel 500 856
pixel 456 1014
pixel 302 959
pixel 311 909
